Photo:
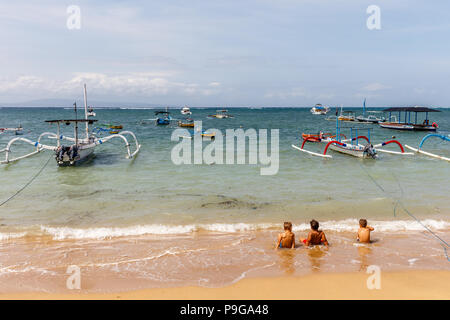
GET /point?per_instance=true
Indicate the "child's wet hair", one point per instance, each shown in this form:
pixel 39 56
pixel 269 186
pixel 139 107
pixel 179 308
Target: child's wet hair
pixel 287 226
pixel 314 224
pixel 363 223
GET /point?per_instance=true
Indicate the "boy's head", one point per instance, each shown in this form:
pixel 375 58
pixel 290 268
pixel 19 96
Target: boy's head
pixel 288 226
pixel 314 225
pixel 362 223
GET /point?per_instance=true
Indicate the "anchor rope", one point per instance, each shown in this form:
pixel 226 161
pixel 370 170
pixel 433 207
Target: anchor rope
pixel 28 183
pixel 443 243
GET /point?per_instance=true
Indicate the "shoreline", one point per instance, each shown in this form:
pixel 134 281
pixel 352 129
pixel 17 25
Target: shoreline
pixel 417 284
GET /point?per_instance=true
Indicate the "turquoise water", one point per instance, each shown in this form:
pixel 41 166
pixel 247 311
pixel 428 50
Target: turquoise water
pixel 110 195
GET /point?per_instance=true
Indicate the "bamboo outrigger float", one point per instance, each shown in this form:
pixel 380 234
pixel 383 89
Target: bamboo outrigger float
pixel 348 146
pixel 17 131
pixel 78 150
pixel 419 148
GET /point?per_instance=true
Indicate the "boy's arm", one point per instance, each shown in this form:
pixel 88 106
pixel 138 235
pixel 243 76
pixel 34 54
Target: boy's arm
pixel 293 241
pixel 370 228
pixel 278 241
pixel 324 239
pixel 308 240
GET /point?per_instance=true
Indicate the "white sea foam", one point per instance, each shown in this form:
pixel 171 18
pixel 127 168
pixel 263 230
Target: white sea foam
pixel 348 225
pixel 7 236
pixel 381 226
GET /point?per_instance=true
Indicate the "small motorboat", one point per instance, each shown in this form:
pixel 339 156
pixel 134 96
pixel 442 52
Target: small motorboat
pixel 187 123
pixel 163 118
pixel 221 114
pixel 186 110
pixel 318 109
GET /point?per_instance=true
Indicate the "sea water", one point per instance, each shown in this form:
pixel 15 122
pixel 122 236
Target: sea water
pixel 147 218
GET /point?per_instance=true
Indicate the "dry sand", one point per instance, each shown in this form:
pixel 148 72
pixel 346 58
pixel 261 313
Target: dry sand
pixel 394 285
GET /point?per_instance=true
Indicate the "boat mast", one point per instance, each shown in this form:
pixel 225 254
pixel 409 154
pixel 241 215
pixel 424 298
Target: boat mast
pixel 364 107
pixel 76 124
pixel 86 113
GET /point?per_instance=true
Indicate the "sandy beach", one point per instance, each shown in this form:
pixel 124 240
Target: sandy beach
pixel 422 284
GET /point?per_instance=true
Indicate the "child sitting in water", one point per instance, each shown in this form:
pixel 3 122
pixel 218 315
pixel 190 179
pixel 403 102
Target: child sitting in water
pixel 315 236
pixel 364 231
pixel 287 238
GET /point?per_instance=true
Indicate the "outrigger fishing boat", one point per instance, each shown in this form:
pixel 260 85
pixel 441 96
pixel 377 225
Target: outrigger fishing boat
pixel 351 146
pixel 79 149
pixel 372 116
pixel 346 116
pixel 17 131
pixel 407 124
pixel 221 114
pixel 187 123
pixel 318 109
pixel 419 148
pixel 163 118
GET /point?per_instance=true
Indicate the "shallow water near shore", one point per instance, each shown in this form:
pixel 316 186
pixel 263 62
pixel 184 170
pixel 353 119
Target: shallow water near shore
pixel 149 223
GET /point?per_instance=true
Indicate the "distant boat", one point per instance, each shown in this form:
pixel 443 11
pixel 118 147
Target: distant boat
pixel 372 117
pixel 17 131
pixel 221 114
pixel 407 123
pixel 186 110
pixel 187 123
pixel 318 109
pixel 344 116
pixel 347 116
pixel 163 118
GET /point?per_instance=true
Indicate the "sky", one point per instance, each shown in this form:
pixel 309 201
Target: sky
pixel 227 53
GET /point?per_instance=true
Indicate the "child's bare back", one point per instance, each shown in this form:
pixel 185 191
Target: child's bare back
pixel 364 231
pixel 315 236
pixel 287 238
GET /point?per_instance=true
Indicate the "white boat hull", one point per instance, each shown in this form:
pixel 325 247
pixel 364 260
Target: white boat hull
pixel 84 152
pixel 356 151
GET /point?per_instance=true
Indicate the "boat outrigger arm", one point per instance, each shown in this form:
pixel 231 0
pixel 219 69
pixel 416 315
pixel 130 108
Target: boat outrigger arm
pixel 78 149
pixel 419 149
pixel 91 143
pixel 348 146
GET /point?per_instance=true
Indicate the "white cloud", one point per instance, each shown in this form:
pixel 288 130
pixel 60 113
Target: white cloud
pixel 128 84
pixel 286 94
pixel 375 87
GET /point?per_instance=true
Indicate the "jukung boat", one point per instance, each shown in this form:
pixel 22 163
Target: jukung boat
pixel 351 146
pixel 221 114
pixel 372 117
pixel 17 131
pixel 419 148
pixel 163 118
pixel 187 123
pixel 346 116
pixel 78 149
pixel 407 124
pixel 318 109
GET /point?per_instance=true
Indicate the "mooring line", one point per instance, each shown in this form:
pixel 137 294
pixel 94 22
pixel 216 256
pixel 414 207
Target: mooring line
pixel 28 183
pixel 443 243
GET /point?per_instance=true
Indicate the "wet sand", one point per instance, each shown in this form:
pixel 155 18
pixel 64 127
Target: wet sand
pixel 209 260
pixel 420 284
